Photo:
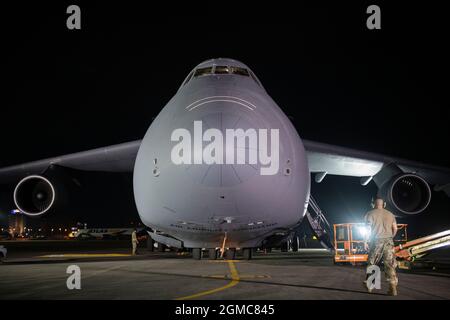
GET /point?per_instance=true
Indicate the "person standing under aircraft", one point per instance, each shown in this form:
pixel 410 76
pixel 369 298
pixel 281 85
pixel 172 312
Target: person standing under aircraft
pixel 381 244
pixel 134 241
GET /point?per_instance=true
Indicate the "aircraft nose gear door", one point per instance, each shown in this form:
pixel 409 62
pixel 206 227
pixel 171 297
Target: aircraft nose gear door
pixel 319 224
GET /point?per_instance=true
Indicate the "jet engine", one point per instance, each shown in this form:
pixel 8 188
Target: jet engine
pixel 407 193
pixel 35 195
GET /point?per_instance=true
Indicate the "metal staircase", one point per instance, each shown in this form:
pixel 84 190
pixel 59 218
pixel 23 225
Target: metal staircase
pixel 319 224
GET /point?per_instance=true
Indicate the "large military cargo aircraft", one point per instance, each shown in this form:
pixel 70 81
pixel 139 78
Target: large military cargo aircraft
pixel 223 167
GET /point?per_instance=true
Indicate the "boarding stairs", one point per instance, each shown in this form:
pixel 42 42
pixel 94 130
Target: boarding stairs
pixel 319 224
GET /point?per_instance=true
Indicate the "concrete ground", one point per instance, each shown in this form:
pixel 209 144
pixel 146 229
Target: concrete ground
pixel 304 275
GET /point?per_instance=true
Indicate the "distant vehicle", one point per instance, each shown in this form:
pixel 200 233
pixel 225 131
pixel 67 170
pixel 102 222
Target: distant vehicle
pixel 3 253
pixel 105 233
pixel 38 237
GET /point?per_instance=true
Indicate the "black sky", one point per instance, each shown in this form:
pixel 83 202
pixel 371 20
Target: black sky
pixel 384 91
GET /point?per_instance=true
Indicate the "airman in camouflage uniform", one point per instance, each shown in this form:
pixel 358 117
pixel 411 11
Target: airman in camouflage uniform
pixel 381 245
pixel 383 250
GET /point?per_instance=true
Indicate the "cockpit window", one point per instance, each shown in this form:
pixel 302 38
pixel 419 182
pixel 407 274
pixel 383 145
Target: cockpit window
pixel 203 71
pixel 222 70
pixel 239 71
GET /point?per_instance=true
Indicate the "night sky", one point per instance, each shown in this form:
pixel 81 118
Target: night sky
pixel 383 91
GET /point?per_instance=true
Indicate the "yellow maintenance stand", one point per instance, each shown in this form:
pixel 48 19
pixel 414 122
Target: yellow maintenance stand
pixel 351 242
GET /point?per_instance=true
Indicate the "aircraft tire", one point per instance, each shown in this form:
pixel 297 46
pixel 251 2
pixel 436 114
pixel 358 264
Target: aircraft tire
pixel 196 253
pixel 247 253
pixel 230 254
pixel 295 244
pixel 150 244
pixel 212 254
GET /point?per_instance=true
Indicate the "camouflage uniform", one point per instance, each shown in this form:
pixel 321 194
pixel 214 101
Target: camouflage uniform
pixel 134 242
pixel 383 250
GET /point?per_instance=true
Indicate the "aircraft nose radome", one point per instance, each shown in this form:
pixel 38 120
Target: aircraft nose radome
pixel 225 175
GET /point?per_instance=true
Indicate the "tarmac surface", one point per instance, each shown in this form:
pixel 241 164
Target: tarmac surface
pixel 114 274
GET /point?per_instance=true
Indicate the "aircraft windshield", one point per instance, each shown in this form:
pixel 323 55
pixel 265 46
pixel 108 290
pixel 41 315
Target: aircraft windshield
pixel 203 71
pixel 221 70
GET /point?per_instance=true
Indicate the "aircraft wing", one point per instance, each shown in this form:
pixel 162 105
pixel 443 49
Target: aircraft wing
pixel 115 158
pixel 326 159
pixel 323 159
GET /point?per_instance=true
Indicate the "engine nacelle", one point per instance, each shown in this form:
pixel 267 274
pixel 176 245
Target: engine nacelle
pixel 35 195
pixel 407 192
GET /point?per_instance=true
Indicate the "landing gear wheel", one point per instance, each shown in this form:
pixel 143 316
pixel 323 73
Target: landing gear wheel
pixel 247 253
pixel 284 247
pixel 212 254
pixel 197 253
pixel 161 247
pixel 295 244
pixel 230 254
pixel 150 244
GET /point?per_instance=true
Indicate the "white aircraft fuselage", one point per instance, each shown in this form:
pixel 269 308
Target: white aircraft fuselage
pixel 221 158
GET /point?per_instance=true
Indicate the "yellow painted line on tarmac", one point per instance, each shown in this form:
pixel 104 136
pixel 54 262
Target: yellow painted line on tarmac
pixel 234 281
pixel 85 255
pixel 223 261
pixel 241 277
